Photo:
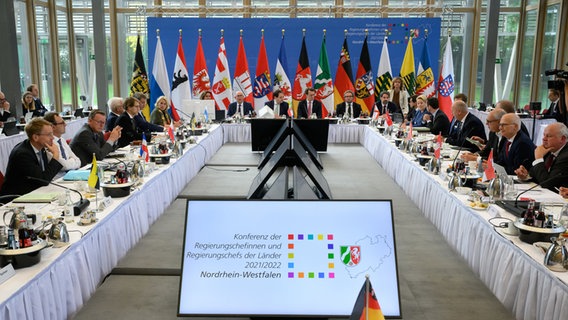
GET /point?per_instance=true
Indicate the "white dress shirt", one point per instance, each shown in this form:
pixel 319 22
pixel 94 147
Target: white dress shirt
pixel 72 162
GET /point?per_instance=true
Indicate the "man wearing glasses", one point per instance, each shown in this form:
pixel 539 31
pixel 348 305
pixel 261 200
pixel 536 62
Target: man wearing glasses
pixel 67 158
pixel 352 108
pixel 494 141
pixel 90 140
pixel 517 149
pixel 36 157
pixel 466 125
pixel 4 108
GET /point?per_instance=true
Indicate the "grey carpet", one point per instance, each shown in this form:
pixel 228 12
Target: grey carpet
pixel 434 281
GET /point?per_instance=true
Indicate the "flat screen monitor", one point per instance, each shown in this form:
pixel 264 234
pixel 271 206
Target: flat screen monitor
pixel 263 130
pixel 198 107
pixel 287 258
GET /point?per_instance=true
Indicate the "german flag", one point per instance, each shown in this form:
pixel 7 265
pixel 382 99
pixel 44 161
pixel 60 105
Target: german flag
pixel 367 306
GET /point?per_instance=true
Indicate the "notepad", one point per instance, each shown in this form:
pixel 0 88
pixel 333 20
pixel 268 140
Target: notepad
pixel 77 175
pixel 37 197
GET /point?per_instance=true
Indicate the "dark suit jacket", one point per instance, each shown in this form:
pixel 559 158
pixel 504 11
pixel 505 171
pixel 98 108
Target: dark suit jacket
pixel 303 109
pixel 494 142
pixel 4 117
pixel 559 167
pixel 471 126
pixel 390 105
pixel 111 121
pixel 40 108
pixel 520 153
pixel 24 162
pixel 440 123
pixel 84 145
pixel 130 131
pixel 144 126
pixel 247 109
pixel 283 107
pixel 340 110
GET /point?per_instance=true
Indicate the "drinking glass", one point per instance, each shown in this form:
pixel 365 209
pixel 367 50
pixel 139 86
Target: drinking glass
pixel 510 189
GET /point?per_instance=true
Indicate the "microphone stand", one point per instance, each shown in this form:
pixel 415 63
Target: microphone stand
pixel 79 206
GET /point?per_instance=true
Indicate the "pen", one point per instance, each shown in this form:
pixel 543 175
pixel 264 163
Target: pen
pixel 556 188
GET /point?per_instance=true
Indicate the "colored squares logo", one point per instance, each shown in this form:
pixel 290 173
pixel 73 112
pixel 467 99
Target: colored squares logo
pixel 310 256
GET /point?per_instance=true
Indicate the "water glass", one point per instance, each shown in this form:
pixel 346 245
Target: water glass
pixel 510 189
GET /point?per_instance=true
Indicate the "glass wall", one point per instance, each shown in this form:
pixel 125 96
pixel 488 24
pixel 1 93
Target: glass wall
pixel 459 16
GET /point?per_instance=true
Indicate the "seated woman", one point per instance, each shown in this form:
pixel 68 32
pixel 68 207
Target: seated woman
pixel 28 105
pixel 160 115
pixel 417 119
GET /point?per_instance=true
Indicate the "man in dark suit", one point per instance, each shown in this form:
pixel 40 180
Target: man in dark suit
pixel 40 108
pixel 385 105
pixel 494 142
pixel 36 157
pixel 116 109
pixel 467 126
pixel 438 121
pixel 89 139
pixel 133 124
pixel 278 105
pixel 518 148
pixel 352 108
pixel 4 108
pixel 240 106
pixel 551 158
pixel 553 110
pixel 310 105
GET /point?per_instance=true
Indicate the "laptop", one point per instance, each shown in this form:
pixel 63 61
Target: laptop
pixel 10 128
pixel 78 113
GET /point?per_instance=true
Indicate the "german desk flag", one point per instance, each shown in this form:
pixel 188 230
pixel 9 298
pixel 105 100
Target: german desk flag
pixel 367 306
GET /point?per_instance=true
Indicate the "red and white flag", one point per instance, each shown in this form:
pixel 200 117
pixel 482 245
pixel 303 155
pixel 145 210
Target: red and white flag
pixel 242 81
pixel 446 81
pixel 222 92
pixel 180 83
pixel 144 154
pixel 201 81
pixel 262 90
pixel 438 149
pixel 171 132
pixel 389 119
pixel 376 113
pixel 489 173
pixel 290 112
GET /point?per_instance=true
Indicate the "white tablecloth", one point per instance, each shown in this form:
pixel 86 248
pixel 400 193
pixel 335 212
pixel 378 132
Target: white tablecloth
pixel 8 143
pixel 63 281
pixel 511 269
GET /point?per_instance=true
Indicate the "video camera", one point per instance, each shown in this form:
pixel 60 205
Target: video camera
pixel 561 76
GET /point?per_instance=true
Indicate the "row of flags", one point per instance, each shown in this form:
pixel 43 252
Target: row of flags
pixel 259 89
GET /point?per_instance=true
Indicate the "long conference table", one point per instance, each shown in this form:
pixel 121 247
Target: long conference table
pixel 65 278
pixel 8 143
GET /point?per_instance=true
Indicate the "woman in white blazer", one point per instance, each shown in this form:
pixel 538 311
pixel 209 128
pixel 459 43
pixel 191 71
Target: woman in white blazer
pixel 399 95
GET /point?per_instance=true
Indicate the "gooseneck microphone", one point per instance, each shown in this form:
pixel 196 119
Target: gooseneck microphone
pixel 78 206
pixel 560 176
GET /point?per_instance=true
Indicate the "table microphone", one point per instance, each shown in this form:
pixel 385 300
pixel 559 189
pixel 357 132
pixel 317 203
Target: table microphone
pixel 78 206
pixel 460 148
pixel 560 176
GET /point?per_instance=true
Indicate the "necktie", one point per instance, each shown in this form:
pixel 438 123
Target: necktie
pixel 553 108
pixel 277 108
pixel 458 126
pixel 96 137
pixel 309 109
pixel 133 124
pixel 507 146
pixel 239 109
pixel 549 161
pixel 351 110
pixel 62 149
pixel 40 160
pixel 384 108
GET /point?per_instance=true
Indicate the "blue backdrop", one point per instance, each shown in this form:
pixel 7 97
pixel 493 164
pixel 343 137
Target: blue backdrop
pixel 397 30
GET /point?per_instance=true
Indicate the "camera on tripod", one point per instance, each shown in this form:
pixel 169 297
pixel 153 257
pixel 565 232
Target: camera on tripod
pixel 558 83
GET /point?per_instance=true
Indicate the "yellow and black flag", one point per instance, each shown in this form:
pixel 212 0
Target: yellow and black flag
pixel 139 82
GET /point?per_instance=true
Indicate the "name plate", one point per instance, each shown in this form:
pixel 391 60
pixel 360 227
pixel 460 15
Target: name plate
pixel 493 211
pixel 6 273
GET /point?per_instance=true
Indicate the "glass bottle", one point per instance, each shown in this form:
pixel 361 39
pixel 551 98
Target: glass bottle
pixel 529 214
pixel 540 217
pixel 68 208
pixel 24 235
pixel 30 225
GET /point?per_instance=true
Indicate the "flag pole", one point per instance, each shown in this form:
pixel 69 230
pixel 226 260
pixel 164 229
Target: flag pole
pixel 366 297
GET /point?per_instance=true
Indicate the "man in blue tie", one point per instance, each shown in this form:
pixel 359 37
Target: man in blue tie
pixel 68 159
pixel 30 159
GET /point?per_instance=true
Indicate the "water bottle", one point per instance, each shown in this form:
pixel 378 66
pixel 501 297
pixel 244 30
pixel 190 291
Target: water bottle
pixel 68 208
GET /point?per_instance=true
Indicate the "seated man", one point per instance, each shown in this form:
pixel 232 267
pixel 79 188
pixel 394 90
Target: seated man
pixel 116 109
pixel 240 106
pixel 89 139
pixel 131 131
pixel 67 158
pixel 279 106
pixel 493 143
pixel 385 105
pixel 518 148
pixel 437 121
pixel 4 108
pixel 467 125
pixel 352 108
pixel 551 158
pixel 30 159
pixel 310 105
